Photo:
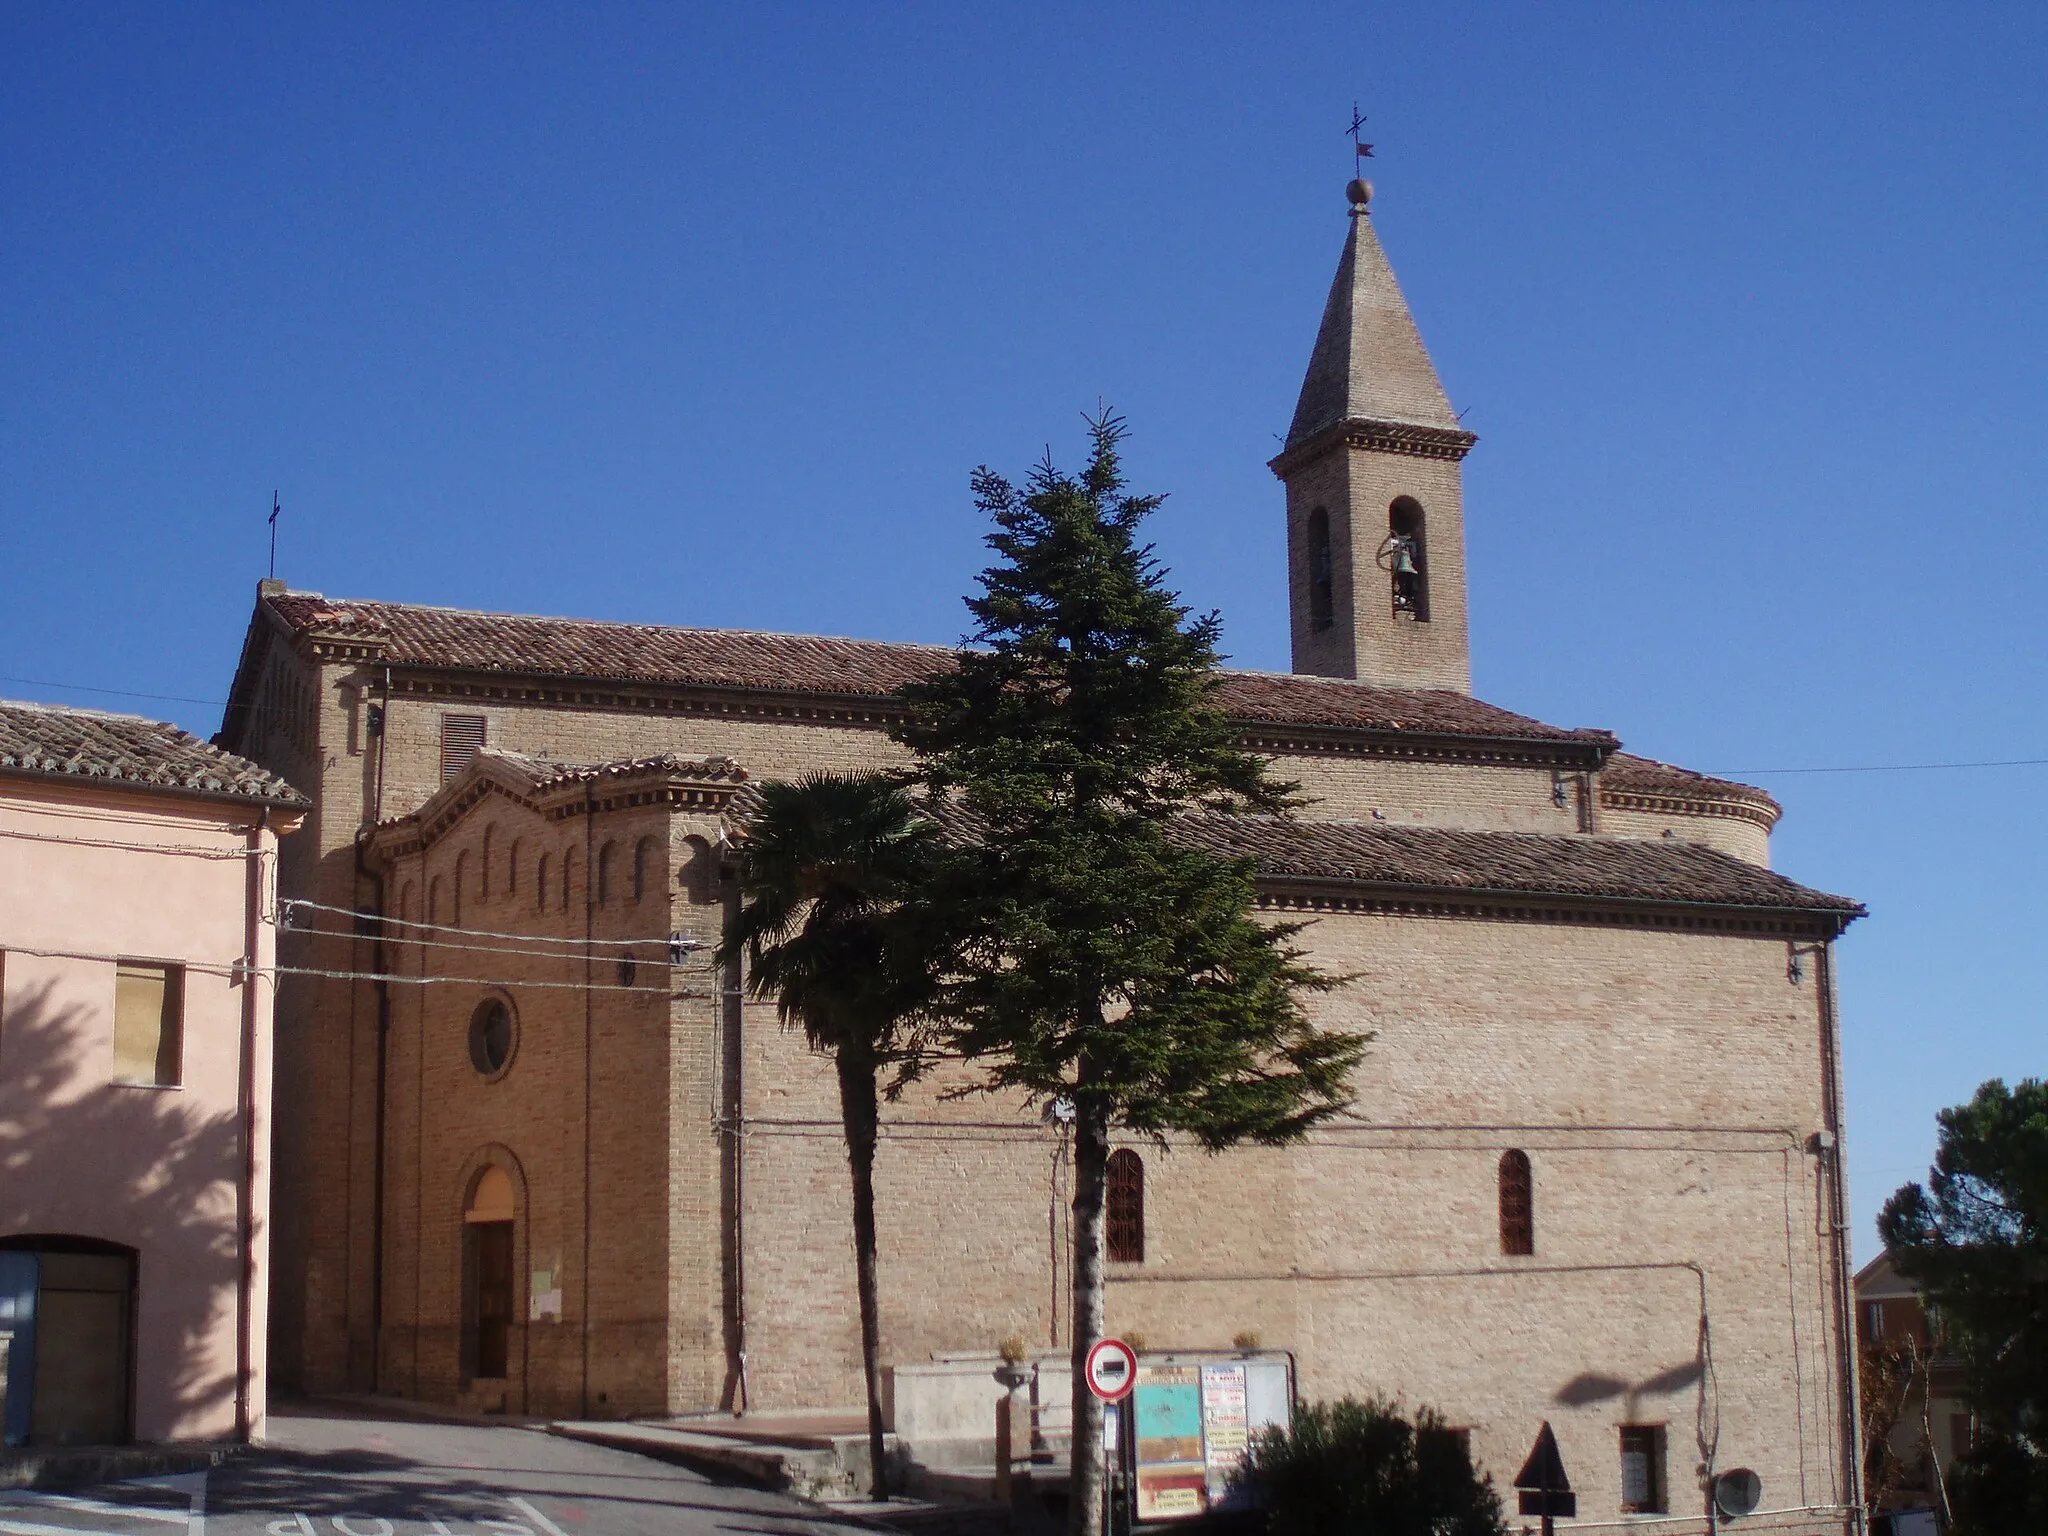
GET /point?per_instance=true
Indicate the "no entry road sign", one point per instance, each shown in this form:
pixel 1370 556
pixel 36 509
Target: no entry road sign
pixel 1112 1370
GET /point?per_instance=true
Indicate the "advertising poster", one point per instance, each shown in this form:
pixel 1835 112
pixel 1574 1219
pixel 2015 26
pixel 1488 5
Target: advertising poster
pixel 1190 1425
pixel 1226 1430
pixel 1172 1476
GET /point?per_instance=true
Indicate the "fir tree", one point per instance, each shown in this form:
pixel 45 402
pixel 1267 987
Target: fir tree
pixel 1107 963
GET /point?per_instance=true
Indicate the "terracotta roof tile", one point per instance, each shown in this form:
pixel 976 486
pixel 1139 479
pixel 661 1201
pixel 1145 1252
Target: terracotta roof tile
pixel 1520 863
pixel 1626 773
pixel 88 744
pixel 460 640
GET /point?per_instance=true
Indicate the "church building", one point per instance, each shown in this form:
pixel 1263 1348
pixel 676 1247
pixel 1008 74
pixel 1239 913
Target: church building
pixel 534 1153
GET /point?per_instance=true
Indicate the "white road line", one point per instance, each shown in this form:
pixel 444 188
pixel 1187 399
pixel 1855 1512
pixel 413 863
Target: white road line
pixel 535 1516
pixel 27 1528
pixel 66 1501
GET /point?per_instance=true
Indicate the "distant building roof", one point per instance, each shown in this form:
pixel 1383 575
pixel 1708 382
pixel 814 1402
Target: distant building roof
pixel 53 741
pixel 1634 870
pixel 1629 777
pixel 407 634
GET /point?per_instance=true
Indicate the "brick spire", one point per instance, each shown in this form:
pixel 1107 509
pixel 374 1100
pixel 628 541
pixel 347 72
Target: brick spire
pixel 1369 363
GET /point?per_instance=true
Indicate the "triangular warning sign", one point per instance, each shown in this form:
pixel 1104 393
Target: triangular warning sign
pixel 1543 1472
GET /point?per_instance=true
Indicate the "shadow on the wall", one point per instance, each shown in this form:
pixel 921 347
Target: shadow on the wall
pixel 181 1198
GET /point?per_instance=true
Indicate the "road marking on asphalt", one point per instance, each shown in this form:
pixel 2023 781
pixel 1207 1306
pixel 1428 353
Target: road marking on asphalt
pixel 539 1519
pixel 64 1502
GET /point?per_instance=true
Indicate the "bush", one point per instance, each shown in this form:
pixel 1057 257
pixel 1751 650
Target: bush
pixel 1999 1487
pixel 1362 1469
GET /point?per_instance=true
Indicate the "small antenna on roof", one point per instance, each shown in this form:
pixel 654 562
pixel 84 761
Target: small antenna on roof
pixel 276 507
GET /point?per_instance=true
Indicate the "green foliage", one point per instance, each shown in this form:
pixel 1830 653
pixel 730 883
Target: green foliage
pixel 1975 1239
pixel 1997 1488
pixel 831 870
pixel 1363 1469
pixel 835 872
pixel 1103 961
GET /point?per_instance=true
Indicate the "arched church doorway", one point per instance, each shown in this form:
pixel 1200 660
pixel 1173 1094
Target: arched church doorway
pixel 487 1275
pixel 67 1320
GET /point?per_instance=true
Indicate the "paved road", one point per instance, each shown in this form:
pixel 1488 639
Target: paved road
pixel 326 1474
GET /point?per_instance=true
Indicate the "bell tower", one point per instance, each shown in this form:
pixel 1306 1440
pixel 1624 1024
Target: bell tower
pixel 1375 490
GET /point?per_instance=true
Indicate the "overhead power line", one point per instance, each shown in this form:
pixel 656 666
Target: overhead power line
pixel 2002 762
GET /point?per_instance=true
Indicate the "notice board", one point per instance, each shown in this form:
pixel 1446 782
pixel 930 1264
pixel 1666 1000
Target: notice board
pixel 1191 1422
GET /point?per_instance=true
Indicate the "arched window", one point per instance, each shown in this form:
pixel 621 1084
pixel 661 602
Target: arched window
pixel 568 877
pixel 1517 1205
pixel 461 879
pixel 646 867
pixel 1322 594
pixel 540 886
pixel 483 874
pixel 604 874
pixel 512 870
pixel 1126 1214
pixel 1406 558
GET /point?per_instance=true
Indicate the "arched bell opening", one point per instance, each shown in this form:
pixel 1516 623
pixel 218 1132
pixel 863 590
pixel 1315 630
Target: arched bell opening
pixel 1405 558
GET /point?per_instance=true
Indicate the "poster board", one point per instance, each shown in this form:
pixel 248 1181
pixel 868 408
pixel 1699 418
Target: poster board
pixel 1191 1421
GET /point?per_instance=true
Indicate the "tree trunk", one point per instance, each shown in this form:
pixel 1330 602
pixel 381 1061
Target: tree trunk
pixel 857 1109
pixel 1091 1167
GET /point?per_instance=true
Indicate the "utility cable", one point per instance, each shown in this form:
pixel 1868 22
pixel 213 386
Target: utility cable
pixel 389 921
pixel 666 945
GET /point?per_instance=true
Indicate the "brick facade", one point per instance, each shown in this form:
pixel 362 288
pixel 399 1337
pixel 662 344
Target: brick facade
pixel 1669 1067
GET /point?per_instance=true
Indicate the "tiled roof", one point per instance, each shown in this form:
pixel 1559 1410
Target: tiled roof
pixel 460 640
pixel 87 744
pixel 701 770
pixel 1517 863
pixel 1627 774
pixel 1645 775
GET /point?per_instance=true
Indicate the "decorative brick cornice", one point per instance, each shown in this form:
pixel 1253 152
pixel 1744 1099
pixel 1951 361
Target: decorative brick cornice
pixel 1375 437
pixel 1297 897
pixel 1583 754
pixel 559 792
pixel 1760 809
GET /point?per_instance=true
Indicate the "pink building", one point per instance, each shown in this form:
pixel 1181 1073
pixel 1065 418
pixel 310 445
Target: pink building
pixel 138 870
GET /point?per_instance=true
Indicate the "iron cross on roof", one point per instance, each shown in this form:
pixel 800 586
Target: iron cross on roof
pixel 1360 150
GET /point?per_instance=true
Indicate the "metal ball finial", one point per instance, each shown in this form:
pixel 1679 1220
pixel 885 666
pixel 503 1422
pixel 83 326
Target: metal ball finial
pixel 1360 192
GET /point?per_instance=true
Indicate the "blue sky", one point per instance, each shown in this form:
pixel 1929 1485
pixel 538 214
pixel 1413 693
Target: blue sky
pixel 704 314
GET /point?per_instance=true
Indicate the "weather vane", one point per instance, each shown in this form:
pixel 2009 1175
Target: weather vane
pixel 276 507
pixel 1360 150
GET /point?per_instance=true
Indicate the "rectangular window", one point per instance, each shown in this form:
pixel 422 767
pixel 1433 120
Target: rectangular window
pixel 462 737
pixel 1642 1469
pixel 149 1012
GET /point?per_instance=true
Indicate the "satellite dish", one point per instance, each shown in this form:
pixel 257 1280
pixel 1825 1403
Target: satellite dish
pixel 1738 1493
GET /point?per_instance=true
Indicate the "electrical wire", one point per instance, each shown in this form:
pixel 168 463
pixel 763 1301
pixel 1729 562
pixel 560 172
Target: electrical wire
pixel 520 985
pixel 389 921
pixel 2005 762
pixel 239 968
pixel 665 945
pixel 188 850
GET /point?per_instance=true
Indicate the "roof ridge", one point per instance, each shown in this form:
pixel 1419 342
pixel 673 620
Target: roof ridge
pixel 104 714
pixel 563 618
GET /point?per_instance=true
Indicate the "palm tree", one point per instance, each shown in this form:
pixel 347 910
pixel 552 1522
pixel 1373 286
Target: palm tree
pixel 831 871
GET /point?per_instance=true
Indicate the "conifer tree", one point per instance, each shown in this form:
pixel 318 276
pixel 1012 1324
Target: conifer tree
pixel 1105 962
